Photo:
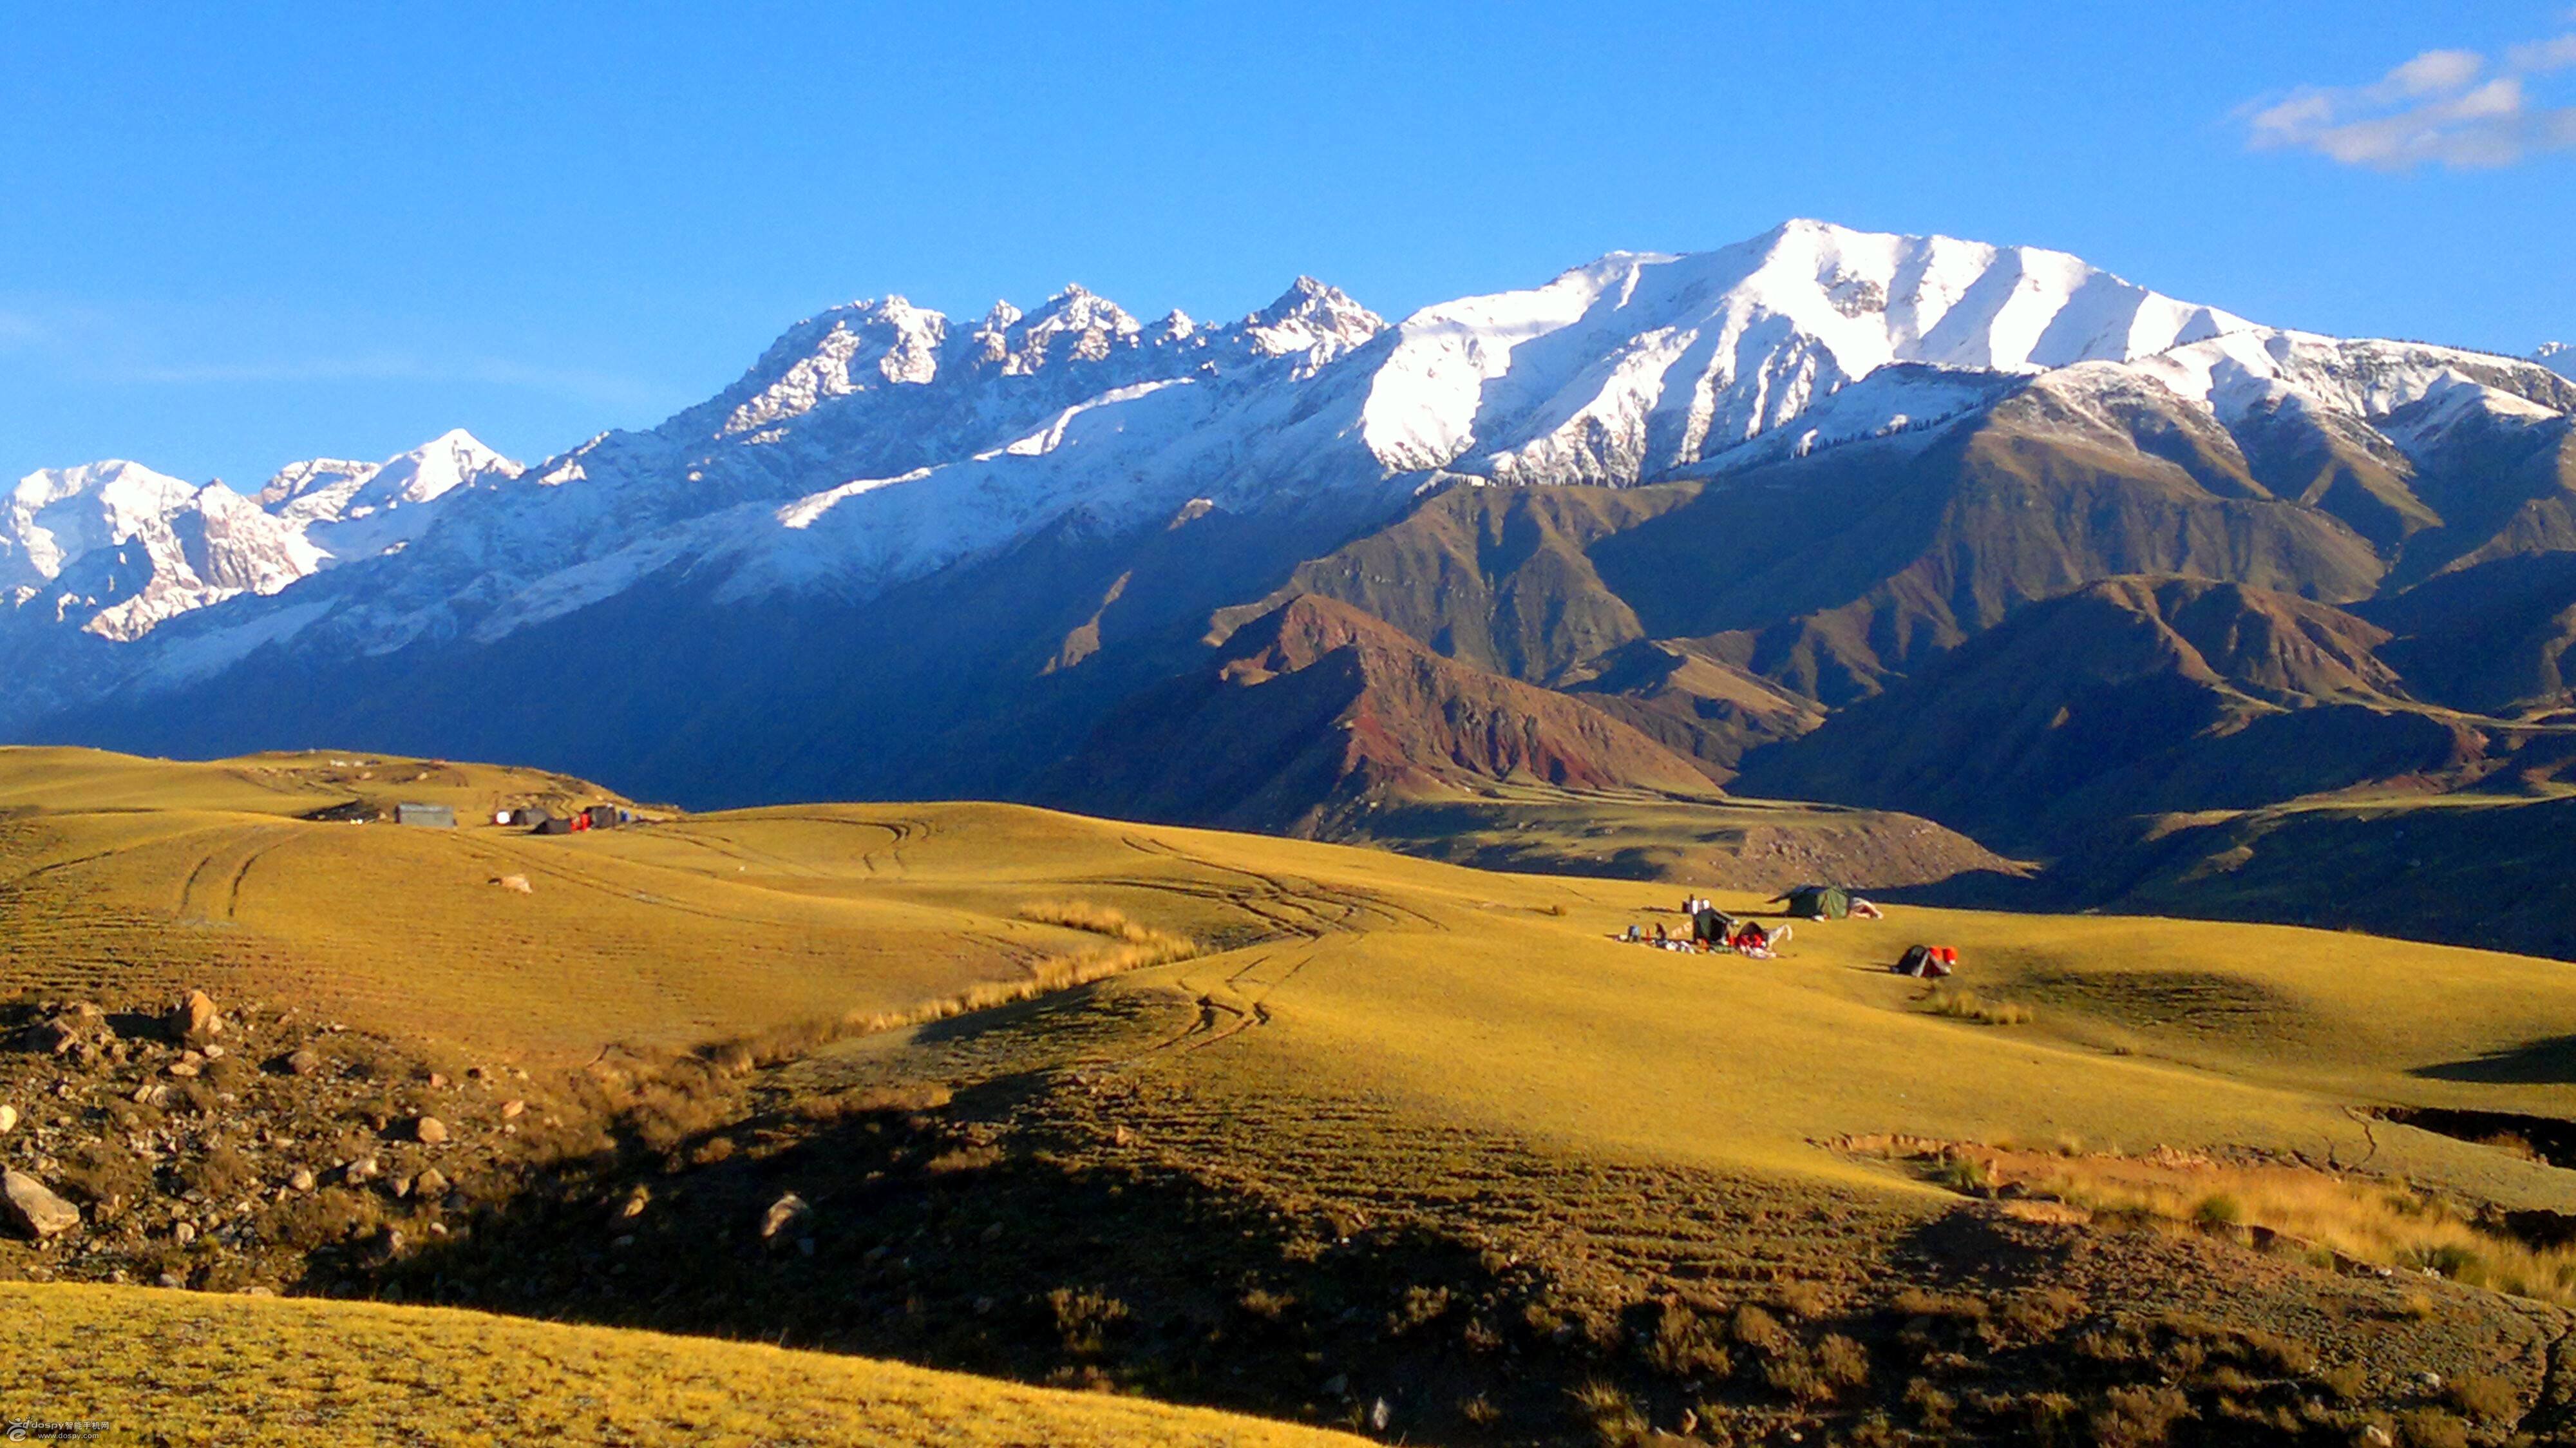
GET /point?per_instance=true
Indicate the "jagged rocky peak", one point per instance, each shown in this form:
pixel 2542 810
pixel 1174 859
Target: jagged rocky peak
pixel 2558 357
pixel 1321 321
pixel 851 348
pixel 1075 324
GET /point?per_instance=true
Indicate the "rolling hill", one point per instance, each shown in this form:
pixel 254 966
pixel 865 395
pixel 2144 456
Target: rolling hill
pixel 1390 1141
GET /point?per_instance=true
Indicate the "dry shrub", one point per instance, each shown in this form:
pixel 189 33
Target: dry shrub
pixel 2041 1313
pixel 2431 1428
pixel 1841 1362
pixel 105 1175
pixel 1800 1299
pixel 1267 1305
pixel 872 1101
pixel 1420 1305
pixel 1760 1331
pixel 1932 1407
pixel 220 1173
pixel 1685 1345
pixel 2483 1397
pixel 2137 1417
pixel 1916 1302
pixel 964 1158
pixel 1960 1003
pixel 1615 1420
pixel 1085 1320
pixel 1480 1410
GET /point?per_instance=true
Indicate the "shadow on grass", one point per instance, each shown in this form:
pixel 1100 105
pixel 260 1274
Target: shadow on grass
pixel 925 1237
pixel 2546 1062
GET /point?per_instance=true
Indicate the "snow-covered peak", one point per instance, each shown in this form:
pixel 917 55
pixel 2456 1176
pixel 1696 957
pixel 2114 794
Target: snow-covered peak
pixel 117 548
pixel 57 514
pixel 1642 361
pixel 851 348
pixel 2558 357
pixel 334 489
pixel 1322 322
pixel 1075 324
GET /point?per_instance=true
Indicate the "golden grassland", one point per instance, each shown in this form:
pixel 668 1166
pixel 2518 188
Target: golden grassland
pixel 1361 1003
pixel 1460 994
pixel 175 1367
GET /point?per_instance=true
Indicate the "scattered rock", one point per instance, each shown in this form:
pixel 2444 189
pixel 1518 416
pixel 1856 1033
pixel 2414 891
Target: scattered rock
pixel 398 1187
pixel 214 1052
pixel 184 1233
pixel 511 1108
pixel 303 1061
pixel 2376 1436
pixel 429 1131
pixel 430 1184
pixel 8 1119
pixel 783 1213
pixel 1380 1415
pixel 28 1206
pixel 300 1179
pixel 517 884
pixel 437 1082
pixel 635 1203
pixel 194 1019
pixel 182 1069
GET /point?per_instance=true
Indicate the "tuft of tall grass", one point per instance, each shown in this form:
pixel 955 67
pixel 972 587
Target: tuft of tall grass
pixel 1960 1003
pixel 2331 1216
pixel 1140 947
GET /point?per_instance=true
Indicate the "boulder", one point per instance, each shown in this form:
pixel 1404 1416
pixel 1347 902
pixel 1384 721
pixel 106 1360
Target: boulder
pixel 8 1119
pixel 787 1211
pixel 303 1061
pixel 429 1131
pixel 194 1019
pixel 300 1180
pixel 430 1184
pixel 511 1108
pixel 32 1209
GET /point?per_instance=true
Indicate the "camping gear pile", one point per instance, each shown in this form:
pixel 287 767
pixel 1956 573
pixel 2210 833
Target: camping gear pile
pixel 1712 932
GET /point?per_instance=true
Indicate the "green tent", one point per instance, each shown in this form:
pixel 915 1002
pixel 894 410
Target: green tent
pixel 1819 902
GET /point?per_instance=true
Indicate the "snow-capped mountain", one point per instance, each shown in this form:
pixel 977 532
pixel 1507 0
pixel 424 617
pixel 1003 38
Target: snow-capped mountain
pixel 881 446
pixel 116 549
pixel 2559 357
pixel 357 510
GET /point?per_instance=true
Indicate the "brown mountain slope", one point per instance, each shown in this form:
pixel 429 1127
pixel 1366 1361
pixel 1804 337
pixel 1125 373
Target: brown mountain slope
pixel 2130 696
pixel 2495 637
pixel 1691 703
pixel 1828 574
pixel 1315 708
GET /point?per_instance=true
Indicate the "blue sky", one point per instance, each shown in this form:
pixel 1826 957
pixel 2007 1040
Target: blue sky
pixel 228 240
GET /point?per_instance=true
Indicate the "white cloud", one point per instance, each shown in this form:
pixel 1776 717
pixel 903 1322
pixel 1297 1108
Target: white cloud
pixel 2444 107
